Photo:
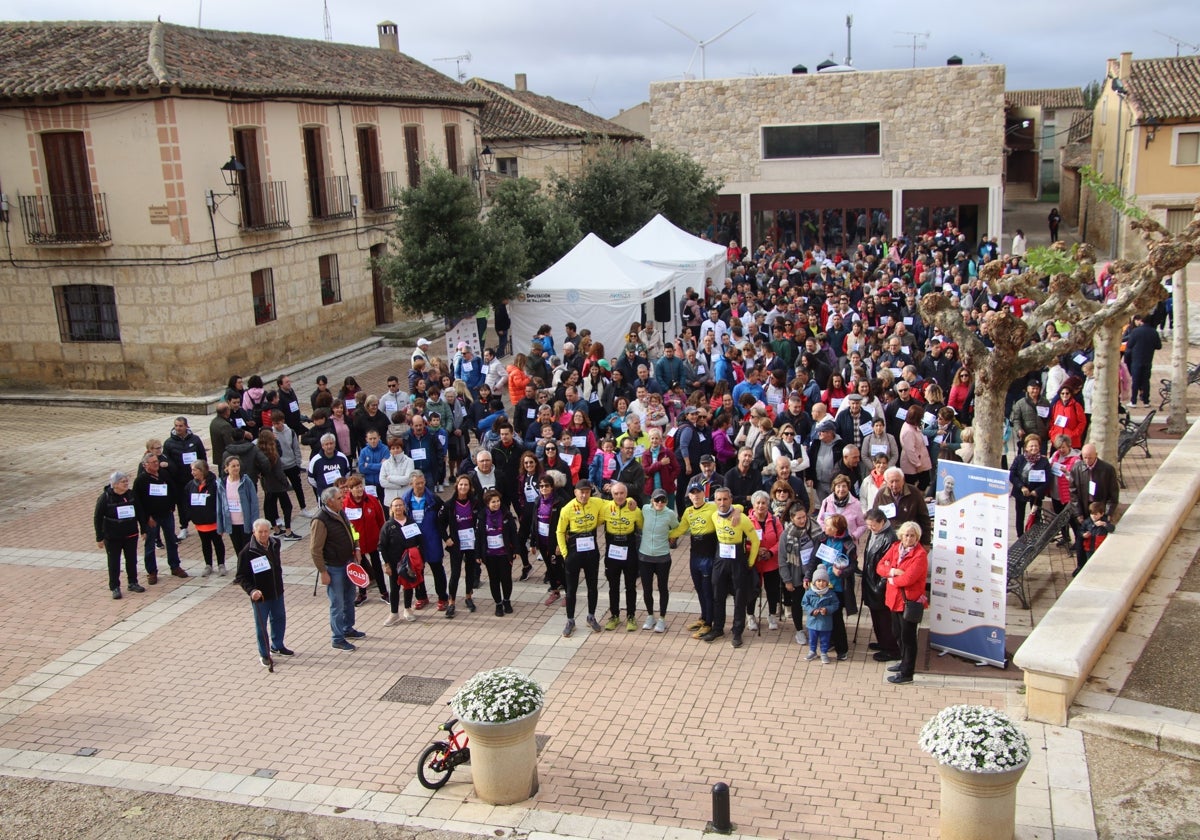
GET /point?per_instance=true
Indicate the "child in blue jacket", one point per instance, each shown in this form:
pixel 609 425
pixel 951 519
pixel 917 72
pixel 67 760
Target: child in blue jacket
pixel 820 604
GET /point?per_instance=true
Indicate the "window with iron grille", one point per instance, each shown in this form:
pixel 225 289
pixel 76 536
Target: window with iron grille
pixel 87 313
pixel 262 290
pixel 331 284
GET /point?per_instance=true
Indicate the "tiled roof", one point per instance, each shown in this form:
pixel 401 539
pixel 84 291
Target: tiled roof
pixel 1166 88
pixel 1044 98
pixel 38 59
pixel 518 114
pixel 1081 127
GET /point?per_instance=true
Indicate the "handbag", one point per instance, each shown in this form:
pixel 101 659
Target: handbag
pixel 914 611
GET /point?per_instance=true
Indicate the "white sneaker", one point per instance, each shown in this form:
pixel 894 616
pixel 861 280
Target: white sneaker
pixel 660 626
pixel 221 570
pixel 648 624
pixel 800 639
pixel 182 535
pixel 772 623
pixel 306 513
pixel 751 624
pixel 392 620
pixel 207 571
pixel 408 616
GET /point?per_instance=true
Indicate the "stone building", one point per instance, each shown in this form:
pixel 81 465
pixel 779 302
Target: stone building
pixel 533 135
pixel 1146 139
pixel 181 204
pixel 1036 125
pixel 1075 155
pixel 833 157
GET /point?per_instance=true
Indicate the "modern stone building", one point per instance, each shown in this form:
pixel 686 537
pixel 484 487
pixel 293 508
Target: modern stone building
pixel 533 136
pixel 183 204
pixel 833 157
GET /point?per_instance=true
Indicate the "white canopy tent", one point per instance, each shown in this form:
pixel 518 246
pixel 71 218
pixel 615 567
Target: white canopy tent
pixel 593 285
pixel 663 245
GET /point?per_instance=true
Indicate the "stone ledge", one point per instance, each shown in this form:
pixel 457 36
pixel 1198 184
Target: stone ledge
pixel 1064 647
pixel 1162 735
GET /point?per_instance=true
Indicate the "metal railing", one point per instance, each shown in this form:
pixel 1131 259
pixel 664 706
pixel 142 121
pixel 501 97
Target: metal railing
pixel 331 198
pixel 380 191
pixel 65 219
pixel 264 206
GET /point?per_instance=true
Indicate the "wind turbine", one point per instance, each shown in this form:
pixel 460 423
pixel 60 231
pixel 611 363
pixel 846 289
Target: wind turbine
pixel 700 45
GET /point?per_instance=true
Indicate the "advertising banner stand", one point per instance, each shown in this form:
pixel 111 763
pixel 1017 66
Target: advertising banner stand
pixel 968 571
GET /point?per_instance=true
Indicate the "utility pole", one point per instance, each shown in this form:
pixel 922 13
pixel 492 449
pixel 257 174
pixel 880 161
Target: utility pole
pixel 849 26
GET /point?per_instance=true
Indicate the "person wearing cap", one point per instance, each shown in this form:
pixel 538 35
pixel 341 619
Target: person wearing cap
pixel 654 557
pixel 824 453
pixel 577 535
pixel 732 567
pixel 853 423
pixel 697 520
pixel 421 352
pixel 622 521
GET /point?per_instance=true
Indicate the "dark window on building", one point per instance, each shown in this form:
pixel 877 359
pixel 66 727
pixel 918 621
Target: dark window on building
pixel 452 148
pixel 829 140
pixel 245 146
pixel 331 284
pixel 69 181
pixel 87 313
pixel 412 154
pixel 314 169
pixel 507 166
pixel 262 289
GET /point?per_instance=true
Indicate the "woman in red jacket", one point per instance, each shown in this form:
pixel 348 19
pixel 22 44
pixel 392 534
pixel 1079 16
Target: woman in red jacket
pixel 770 530
pixel 904 567
pixel 1067 417
pixel 366 516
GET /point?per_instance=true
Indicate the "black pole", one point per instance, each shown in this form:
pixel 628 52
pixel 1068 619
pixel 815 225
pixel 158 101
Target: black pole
pixel 720 823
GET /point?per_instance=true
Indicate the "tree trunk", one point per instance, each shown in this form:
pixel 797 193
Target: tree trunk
pixel 1104 429
pixel 1177 422
pixel 988 425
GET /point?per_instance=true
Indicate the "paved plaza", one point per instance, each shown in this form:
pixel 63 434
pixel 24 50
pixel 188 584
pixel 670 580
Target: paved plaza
pixel 163 691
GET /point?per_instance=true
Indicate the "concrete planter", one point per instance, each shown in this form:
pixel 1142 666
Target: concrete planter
pixel 976 805
pixel 504 759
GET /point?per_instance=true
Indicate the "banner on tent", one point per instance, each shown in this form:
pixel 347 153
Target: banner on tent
pixel 584 296
pixel 969 562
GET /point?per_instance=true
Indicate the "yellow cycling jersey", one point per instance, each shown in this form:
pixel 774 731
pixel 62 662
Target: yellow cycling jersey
pixel 729 534
pixel 698 521
pixel 621 521
pixel 579 519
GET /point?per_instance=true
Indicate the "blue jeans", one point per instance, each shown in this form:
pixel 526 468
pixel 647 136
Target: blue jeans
pixel 169 540
pixel 341 594
pixel 702 580
pixel 273 612
pixel 821 637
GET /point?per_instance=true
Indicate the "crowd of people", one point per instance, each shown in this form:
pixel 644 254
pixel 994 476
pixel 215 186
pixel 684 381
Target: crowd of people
pixel 793 427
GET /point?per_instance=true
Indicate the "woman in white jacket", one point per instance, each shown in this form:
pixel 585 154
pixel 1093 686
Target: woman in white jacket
pixel 395 474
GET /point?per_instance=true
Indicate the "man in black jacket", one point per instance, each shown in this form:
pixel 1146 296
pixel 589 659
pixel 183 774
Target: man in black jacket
pixel 880 538
pixel 628 470
pixel 743 481
pixel 1091 480
pixel 182 448
pixel 260 574
pixel 155 510
pixel 1140 344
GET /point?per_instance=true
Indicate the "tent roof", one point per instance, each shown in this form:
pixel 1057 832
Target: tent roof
pixel 595 271
pixel 662 242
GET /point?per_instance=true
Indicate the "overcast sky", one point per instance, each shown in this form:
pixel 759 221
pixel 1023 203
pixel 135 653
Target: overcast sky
pixel 603 56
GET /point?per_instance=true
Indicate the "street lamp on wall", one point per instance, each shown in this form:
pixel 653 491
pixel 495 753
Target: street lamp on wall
pixel 1151 125
pixel 486 158
pixel 231 173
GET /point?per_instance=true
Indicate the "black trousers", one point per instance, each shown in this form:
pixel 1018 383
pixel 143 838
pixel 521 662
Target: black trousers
pixel 885 634
pixel 116 548
pixel 457 559
pixel 587 562
pixel 239 538
pixel 731 576
pixel 294 476
pixel 906 632
pixel 271 506
pixel 210 541
pixel 617 571
pixel 374 566
pixel 499 576
pixel 649 572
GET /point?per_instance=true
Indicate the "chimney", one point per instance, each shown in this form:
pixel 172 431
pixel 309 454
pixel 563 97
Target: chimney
pixel 1126 63
pixel 521 83
pixel 389 36
pixel 954 61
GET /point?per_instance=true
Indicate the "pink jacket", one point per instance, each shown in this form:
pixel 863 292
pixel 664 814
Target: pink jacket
pixel 856 523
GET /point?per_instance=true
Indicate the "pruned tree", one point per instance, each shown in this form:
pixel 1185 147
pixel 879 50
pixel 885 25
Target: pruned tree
pixel 1136 288
pixel 550 229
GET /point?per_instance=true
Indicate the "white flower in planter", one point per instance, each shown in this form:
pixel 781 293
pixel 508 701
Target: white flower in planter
pixel 498 696
pixel 975 739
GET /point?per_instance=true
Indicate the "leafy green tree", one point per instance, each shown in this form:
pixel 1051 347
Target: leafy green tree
pixel 623 187
pixel 1091 94
pixel 448 261
pixel 548 227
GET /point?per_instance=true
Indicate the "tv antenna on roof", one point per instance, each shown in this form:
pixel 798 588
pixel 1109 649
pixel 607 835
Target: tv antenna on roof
pixel 701 45
pixel 328 26
pixel 1179 42
pixel 458 60
pixel 914 46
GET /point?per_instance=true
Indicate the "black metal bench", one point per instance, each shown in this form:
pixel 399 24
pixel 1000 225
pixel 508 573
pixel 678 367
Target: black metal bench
pixel 1133 435
pixel 1027 548
pixel 1164 385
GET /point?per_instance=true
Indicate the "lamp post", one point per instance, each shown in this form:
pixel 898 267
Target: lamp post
pixel 479 172
pixel 231 174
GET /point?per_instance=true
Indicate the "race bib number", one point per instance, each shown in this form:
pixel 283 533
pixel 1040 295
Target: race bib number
pixel 906 350
pixel 332 474
pixel 878 449
pixel 484 370
pixel 585 544
pixel 530 495
pixel 1043 411
pixel 1061 421
pixel 618 552
pixel 258 565
pixel 1091 488
pixel 124 511
pixel 351 405
pixel 371 490
pixel 199 499
pixel 411 531
pixel 901 413
pixel 466 538
pixel 1079 358
pixel 530 413
pixel 158 489
pixel 1037 476
pixel 727 550
pixel 543 529
pixel 579 441
pixel 189 457
pixel 353 514
pixel 390 406
pixel 836 402
pixel 567 458
pixel 495 541
pixel 294 407
pixel 1056 469
pixel 908 321
pixel 239 422
pixel 419 515
pixel 865 428
pixel 418 455
pixel 888 510
pixel 827 553
pixel 593 397
pixel 930 419
pixel 896 372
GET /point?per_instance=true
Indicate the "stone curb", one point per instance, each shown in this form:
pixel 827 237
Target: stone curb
pixel 1161 735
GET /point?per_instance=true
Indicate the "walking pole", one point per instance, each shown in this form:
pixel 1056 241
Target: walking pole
pixel 857 619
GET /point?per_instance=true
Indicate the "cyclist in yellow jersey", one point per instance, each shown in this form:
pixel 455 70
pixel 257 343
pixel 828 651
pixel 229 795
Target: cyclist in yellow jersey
pixel 697 519
pixel 577 526
pixel 622 521
pixel 732 566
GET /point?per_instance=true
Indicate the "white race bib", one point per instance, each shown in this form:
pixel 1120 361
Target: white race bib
pixel 239 422
pixel 484 370
pixel 836 402
pixel 567 458
pixel 866 428
pixel 908 321
pixel 593 397
pixel 1056 469
pixel 199 499
pixel 332 474
pixel 878 449
pixel 888 510
pixel 259 565
pixel 419 515
pixel 1091 488
pixel 353 514
pixel 930 419
pixel 1043 411
pixel 827 553
pixel 495 541
pixel 530 413
pixel 1079 358
pixel 901 413
pixel 579 441
pixel 371 490
pixel 543 529
pixel 618 552
pixel 411 531
pixel 158 489
pixel 585 544
pixel 1037 476
pixel 124 511
pixel 189 458
pixel 418 455
pixel 389 406
pixel 700 370
pixel 531 495
pixel 906 350
pixel 1061 421
pixel 351 405
pixel 294 407
pixel 727 550
pixel 466 538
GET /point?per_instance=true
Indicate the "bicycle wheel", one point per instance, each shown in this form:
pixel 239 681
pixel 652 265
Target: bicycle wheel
pixel 432 758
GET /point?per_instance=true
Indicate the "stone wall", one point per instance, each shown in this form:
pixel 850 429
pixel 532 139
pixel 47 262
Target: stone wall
pixel 938 122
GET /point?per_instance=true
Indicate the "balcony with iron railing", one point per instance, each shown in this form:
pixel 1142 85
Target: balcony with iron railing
pixel 329 198
pixel 380 191
pixel 264 206
pixel 65 219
